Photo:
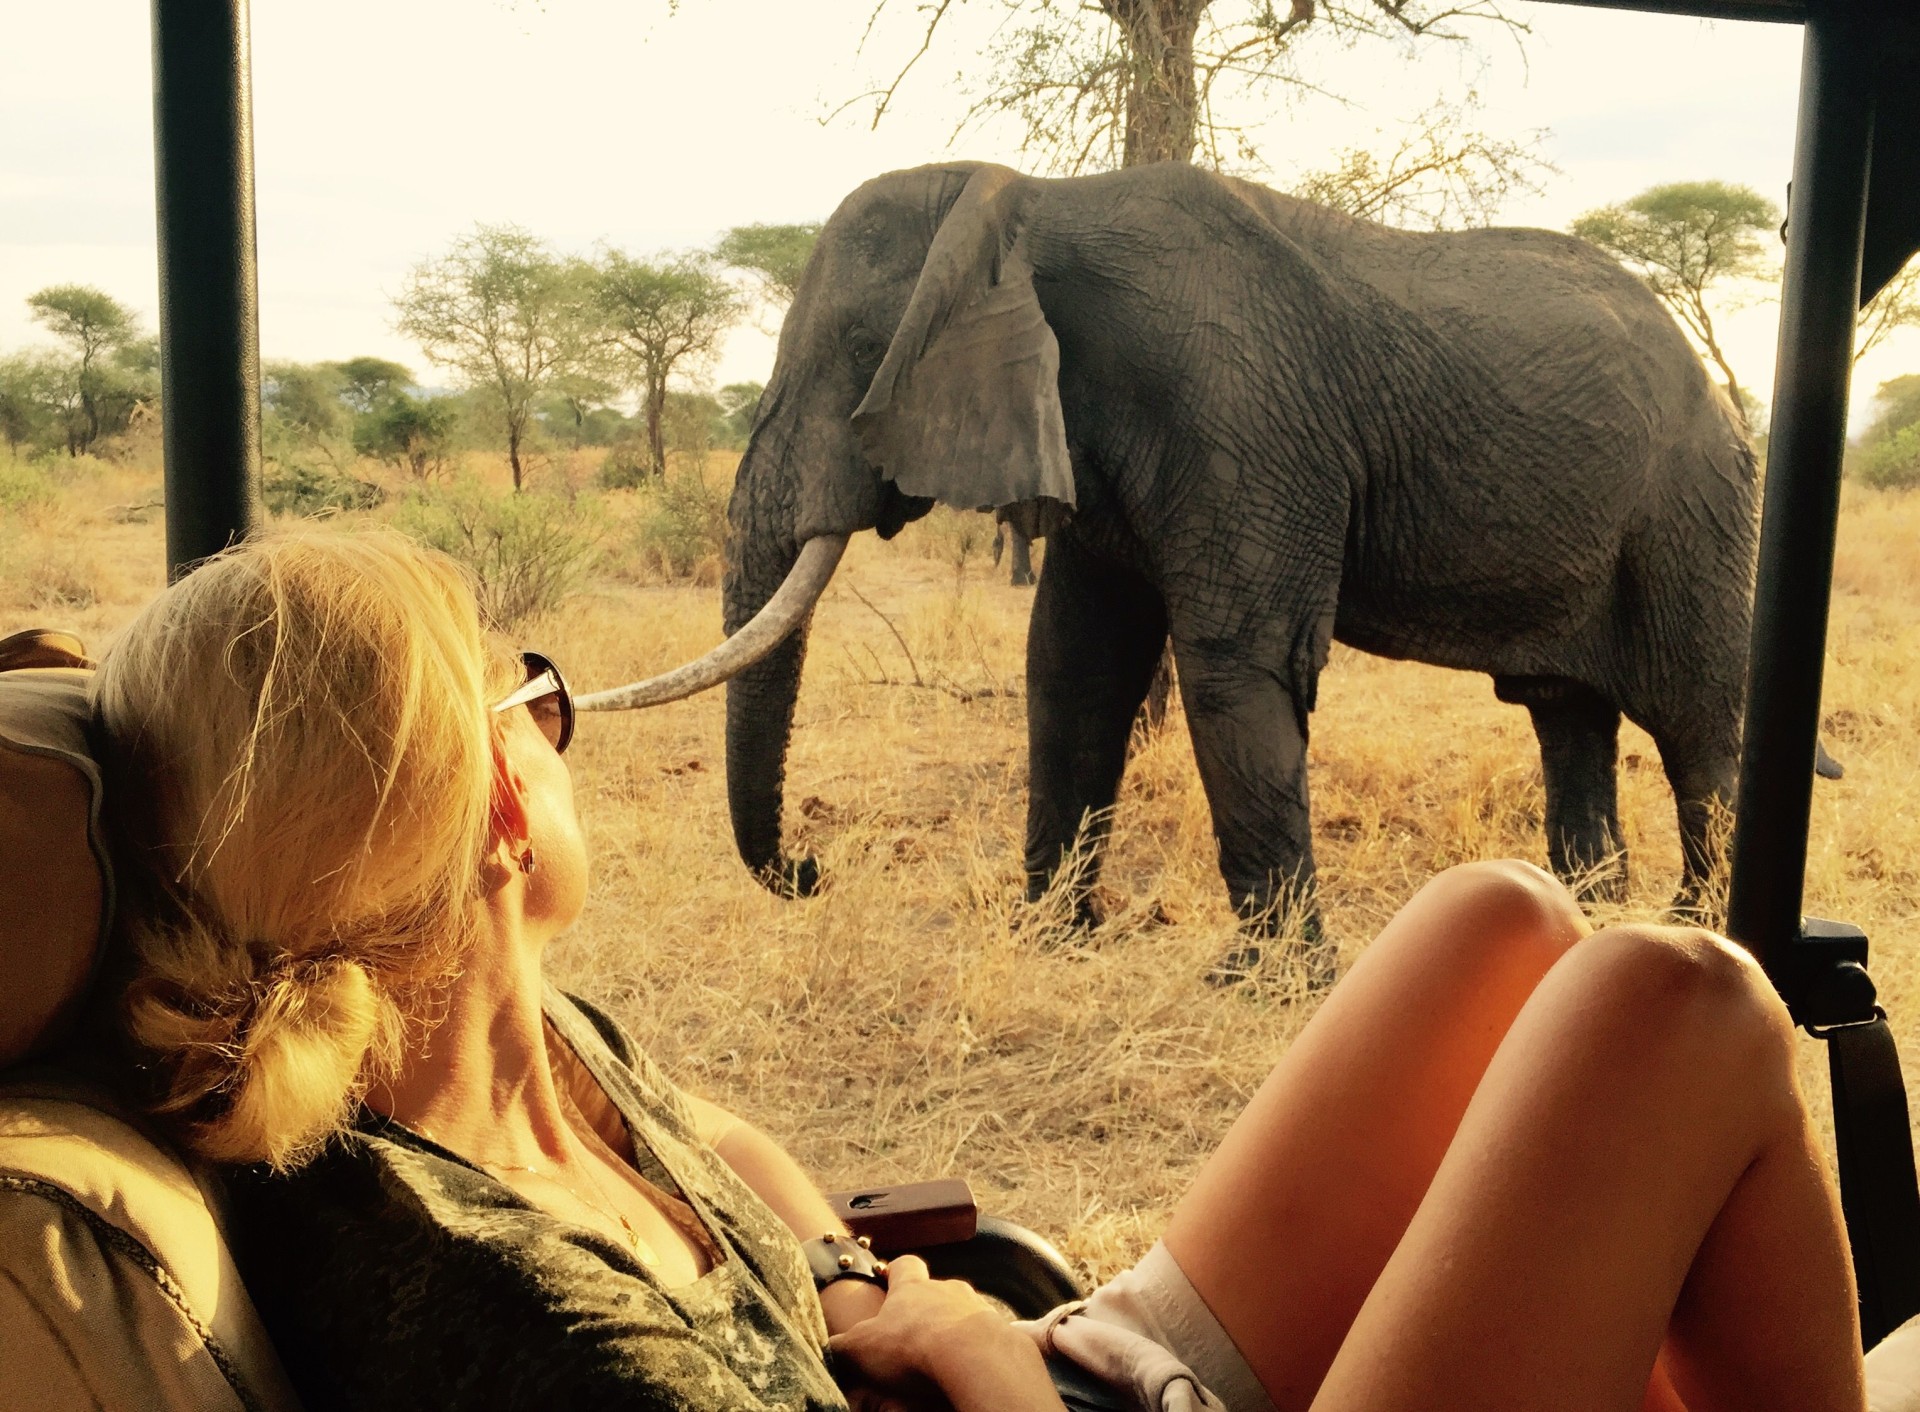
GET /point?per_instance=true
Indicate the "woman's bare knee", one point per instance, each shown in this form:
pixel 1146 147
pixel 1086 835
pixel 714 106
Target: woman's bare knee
pixel 1680 982
pixel 1506 902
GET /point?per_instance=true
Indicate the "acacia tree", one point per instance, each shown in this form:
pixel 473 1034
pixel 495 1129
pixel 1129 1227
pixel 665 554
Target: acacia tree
pixel 95 327
pixel 774 254
pixel 506 315
pixel 1683 239
pixel 661 316
pixel 1098 84
pixel 366 382
pixel 1440 174
pixel 1896 306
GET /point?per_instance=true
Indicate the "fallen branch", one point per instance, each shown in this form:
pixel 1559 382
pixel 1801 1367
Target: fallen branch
pixel 918 680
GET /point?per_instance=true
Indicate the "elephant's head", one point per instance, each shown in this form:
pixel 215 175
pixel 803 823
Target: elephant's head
pixel 915 366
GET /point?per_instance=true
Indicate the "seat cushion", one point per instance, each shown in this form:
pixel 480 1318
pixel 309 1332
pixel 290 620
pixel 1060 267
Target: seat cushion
pixel 116 1286
pixel 56 890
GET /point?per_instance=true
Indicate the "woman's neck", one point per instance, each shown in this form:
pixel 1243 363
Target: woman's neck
pixel 482 1084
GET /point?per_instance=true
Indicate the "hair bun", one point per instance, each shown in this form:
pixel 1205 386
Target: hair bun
pixel 269 1067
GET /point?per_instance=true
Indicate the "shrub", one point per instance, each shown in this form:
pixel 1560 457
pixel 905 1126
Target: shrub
pixel 415 433
pixel 305 488
pixel 954 537
pixel 24 485
pixel 685 526
pixel 627 466
pixel 526 551
pixel 1892 462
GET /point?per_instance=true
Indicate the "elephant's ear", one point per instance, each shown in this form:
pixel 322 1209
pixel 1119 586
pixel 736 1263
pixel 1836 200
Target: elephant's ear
pixel 965 408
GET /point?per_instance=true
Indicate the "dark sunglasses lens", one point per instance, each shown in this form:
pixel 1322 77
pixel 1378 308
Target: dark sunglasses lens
pixel 553 713
pixel 549 717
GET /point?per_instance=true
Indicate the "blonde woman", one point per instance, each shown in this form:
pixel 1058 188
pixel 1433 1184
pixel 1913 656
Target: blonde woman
pixel 1507 1165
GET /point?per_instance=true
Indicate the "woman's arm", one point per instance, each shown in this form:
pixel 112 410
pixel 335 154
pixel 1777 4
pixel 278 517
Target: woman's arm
pixel 919 1330
pixel 779 1181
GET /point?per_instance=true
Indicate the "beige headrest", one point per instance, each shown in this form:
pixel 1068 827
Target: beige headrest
pixel 56 889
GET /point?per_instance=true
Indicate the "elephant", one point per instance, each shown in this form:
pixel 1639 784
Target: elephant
pixel 1021 575
pixel 1254 426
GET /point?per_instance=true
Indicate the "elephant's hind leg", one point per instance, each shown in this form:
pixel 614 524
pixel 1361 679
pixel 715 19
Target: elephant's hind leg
pixel 1579 732
pixel 1091 649
pixel 1703 776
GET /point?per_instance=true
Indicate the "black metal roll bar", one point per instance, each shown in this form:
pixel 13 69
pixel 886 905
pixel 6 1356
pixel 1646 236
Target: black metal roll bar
pixel 1854 220
pixel 209 303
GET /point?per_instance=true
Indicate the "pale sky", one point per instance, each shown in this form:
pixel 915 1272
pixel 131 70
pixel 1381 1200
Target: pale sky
pixel 384 128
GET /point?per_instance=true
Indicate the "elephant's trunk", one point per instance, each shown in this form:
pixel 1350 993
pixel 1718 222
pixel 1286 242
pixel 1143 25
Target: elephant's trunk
pixel 760 701
pixel 771 625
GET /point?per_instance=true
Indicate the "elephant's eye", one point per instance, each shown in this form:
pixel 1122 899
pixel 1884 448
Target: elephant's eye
pixel 864 347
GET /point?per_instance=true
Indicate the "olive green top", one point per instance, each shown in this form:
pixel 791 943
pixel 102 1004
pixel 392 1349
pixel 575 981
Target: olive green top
pixel 392 1272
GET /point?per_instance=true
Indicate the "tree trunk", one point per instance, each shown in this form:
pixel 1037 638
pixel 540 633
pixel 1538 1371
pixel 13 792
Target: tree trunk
pixel 656 425
pixel 1162 91
pixel 513 453
pixel 1162 120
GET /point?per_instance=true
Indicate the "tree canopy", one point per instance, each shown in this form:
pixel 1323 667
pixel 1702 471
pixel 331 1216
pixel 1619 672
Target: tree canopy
pixel 1100 84
pixel 662 315
pixel 1895 307
pixel 1684 239
pixel 108 366
pixel 1441 174
pixel 506 316
pixel 775 254
pixel 367 382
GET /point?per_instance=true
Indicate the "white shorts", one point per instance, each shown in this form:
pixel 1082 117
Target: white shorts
pixel 1155 1301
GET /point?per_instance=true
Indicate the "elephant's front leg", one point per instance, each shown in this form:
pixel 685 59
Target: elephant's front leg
pixel 1250 740
pixel 1091 649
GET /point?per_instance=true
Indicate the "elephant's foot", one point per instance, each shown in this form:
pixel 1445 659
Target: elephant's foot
pixel 1700 903
pixel 1602 882
pixel 1054 927
pixel 1267 962
pixel 791 877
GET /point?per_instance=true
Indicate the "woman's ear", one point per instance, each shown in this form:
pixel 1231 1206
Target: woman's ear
pixel 965 407
pixel 507 816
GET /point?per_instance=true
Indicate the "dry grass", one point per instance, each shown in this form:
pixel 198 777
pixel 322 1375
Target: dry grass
pixel 907 1023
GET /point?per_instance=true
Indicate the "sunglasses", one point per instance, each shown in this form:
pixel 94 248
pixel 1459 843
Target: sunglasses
pixel 545 695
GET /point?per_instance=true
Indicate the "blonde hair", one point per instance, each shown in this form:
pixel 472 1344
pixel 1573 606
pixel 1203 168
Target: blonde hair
pixel 297 742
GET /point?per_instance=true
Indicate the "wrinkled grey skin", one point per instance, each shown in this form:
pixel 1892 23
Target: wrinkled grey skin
pixel 1489 450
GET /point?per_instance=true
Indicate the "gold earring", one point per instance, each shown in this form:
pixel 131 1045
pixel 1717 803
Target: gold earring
pixel 527 864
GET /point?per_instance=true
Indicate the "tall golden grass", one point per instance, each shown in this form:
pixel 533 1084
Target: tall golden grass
pixel 909 1022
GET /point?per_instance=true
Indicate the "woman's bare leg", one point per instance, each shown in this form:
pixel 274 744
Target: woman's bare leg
pixel 1288 1226
pixel 1636 1167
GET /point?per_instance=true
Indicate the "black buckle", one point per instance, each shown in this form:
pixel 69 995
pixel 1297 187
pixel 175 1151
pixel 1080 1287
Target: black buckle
pixel 1823 976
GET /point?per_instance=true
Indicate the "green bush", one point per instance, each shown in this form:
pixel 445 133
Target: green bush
pixel 24 485
pixel 414 433
pixel 306 488
pixel 526 551
pixel 1893 462
pixel 685 525
pixel 626 467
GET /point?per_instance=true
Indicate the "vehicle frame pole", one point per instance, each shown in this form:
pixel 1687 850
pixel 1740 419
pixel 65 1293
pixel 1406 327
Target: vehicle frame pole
pixel 1818 306
pixel 209 306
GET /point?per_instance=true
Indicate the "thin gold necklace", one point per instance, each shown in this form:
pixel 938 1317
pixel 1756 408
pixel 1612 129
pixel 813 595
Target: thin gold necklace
pixel 642 1251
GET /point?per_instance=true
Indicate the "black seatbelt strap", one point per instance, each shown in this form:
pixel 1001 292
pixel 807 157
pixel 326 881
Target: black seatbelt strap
pixel 1878 1190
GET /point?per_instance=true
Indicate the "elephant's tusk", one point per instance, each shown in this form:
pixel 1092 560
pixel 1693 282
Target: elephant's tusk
pixel 783 612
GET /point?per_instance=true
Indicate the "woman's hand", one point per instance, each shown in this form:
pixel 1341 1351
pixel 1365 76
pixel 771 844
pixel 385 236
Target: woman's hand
pixel 941 1334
